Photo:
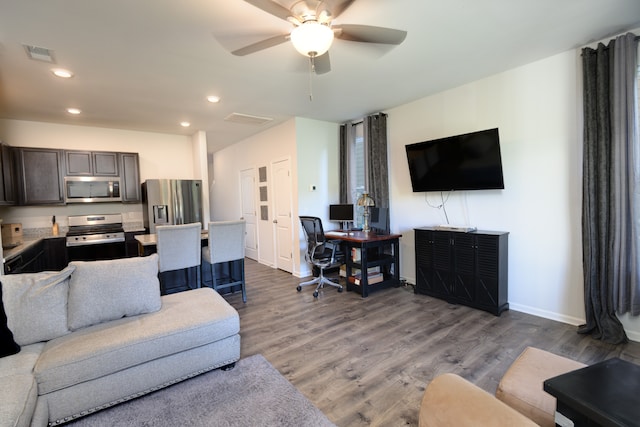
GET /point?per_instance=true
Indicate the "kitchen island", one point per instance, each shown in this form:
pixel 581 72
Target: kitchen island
pixel 147 243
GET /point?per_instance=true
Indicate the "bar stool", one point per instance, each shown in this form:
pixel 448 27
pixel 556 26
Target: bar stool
pixel 226 250
pixel 178 249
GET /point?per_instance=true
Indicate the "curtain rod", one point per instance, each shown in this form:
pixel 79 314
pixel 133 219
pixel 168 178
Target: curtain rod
pixel 636 38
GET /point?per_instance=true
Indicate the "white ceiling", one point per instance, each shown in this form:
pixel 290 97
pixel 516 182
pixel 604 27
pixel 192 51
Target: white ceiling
pixel 149 64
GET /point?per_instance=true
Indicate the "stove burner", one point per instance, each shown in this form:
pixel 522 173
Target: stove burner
pixel 92 229
pixel 95 229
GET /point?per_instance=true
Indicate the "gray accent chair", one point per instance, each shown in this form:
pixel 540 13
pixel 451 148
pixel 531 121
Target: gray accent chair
pixel 179 249
pixel 225 255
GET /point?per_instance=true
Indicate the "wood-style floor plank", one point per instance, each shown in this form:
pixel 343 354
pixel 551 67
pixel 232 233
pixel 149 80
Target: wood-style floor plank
pixel 366 362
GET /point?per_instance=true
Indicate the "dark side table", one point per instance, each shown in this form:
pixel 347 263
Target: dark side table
pixel 603 394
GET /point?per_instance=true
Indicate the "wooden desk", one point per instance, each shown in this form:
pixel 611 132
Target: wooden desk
pixel 366 250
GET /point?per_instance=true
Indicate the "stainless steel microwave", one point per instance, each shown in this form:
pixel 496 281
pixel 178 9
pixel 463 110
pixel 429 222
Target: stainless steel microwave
pixel 90 189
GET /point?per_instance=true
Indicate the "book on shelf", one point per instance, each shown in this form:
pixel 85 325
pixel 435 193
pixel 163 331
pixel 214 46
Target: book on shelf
pixel 372 279
pixel 356 271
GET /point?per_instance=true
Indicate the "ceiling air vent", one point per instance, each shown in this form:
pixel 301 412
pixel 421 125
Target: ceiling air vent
pixel 39 53
pixel 247 119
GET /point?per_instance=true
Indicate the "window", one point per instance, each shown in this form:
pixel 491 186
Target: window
pixel 357 169
pixel 364 162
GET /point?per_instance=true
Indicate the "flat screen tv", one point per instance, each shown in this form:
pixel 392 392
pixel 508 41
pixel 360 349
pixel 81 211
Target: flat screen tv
pixel 463 162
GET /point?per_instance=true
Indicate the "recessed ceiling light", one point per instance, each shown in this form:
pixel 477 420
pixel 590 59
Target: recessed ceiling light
pixel 185 124
pixel 74 111
pixel 62 73
pixel 213 99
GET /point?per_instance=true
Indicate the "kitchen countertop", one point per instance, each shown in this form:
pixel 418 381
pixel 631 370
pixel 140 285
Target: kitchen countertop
pixel 151 239
pixel 28 241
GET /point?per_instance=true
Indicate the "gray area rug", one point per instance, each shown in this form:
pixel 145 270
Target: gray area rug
pixel 254 393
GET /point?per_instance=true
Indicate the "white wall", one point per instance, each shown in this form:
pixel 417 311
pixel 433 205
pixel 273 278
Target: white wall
pixel 537 111
pixel 312 147
pixel 254 152
pixel 318 166
pixel 160 155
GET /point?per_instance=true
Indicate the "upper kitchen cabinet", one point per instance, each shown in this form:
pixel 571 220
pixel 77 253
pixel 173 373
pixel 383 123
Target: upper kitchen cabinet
pixel 7 181
pixel 129 177
pixel 91 163
pixel 39 173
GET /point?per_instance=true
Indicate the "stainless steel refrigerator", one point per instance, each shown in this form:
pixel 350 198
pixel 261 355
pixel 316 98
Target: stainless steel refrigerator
pixel 171 201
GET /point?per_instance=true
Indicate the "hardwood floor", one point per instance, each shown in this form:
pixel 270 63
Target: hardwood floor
pixel 366 362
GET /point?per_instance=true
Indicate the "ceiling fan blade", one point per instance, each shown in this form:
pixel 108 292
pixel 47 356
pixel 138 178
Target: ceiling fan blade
pixel 339 7
pixel 368 34
pixel 322 64
pixel 271 8
pixel 264 44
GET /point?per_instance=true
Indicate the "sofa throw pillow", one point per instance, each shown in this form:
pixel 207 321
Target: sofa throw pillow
pixel 8 345
pixel 36 305
pixel 100 291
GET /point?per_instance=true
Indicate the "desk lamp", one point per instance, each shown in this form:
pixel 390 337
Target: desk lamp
pixel 366 201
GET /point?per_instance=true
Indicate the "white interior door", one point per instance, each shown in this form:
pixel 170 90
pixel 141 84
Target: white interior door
pixel 248 195
pixel 281 171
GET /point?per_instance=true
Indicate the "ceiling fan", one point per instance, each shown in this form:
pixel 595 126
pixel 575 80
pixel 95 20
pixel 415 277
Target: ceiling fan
pixel 314 31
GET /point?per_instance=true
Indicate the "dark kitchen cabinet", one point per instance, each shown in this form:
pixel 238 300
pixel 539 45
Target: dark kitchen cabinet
pixel 45 255
pixel 55 251
pixel 31 260
pixel 78 163
pixel 39 173
pixel 7 176
pixel 129 177
pixel 131 244
pixel 91 163
pixel 463 268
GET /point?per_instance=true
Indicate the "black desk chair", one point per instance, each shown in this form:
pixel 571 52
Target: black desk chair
pixel 321 253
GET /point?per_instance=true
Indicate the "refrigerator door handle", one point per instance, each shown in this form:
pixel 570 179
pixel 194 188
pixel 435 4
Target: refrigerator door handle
pixel 177 203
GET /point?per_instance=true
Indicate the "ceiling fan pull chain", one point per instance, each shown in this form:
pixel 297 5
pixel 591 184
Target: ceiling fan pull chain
pixel 312 69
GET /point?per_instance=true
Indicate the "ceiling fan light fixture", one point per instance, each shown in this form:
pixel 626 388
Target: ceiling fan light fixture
pixel 312 38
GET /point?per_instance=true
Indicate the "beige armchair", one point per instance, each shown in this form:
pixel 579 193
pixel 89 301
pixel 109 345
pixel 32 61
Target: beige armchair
pixel 520 400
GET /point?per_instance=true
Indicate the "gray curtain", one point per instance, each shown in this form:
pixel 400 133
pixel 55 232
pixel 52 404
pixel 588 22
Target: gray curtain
pixel 610 193
pixel 375 134
pixel 345 131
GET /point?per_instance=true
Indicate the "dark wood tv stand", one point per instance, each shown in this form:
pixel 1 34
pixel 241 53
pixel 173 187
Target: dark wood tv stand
pixel 463 268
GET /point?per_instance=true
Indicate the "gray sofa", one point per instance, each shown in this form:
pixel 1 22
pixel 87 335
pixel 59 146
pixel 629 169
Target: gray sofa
pixel 98 333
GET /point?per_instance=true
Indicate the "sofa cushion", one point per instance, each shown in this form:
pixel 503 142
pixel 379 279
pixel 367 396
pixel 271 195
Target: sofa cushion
pixel 18 388
pixel 36 305
pixel 452 401
pixel 21 363
pixel 18 394
pixel 187 320
pixel 521 387
pixel 107 290
pixel 8 345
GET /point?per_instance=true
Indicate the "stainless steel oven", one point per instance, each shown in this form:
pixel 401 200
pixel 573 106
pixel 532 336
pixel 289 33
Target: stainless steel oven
pixel 95 237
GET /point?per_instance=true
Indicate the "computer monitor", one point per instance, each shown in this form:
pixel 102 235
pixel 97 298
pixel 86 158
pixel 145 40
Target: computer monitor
pixel 379 219
pixel 342 213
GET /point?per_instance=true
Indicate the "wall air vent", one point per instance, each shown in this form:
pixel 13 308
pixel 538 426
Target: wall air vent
pixel 39 53
pixel 247 119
